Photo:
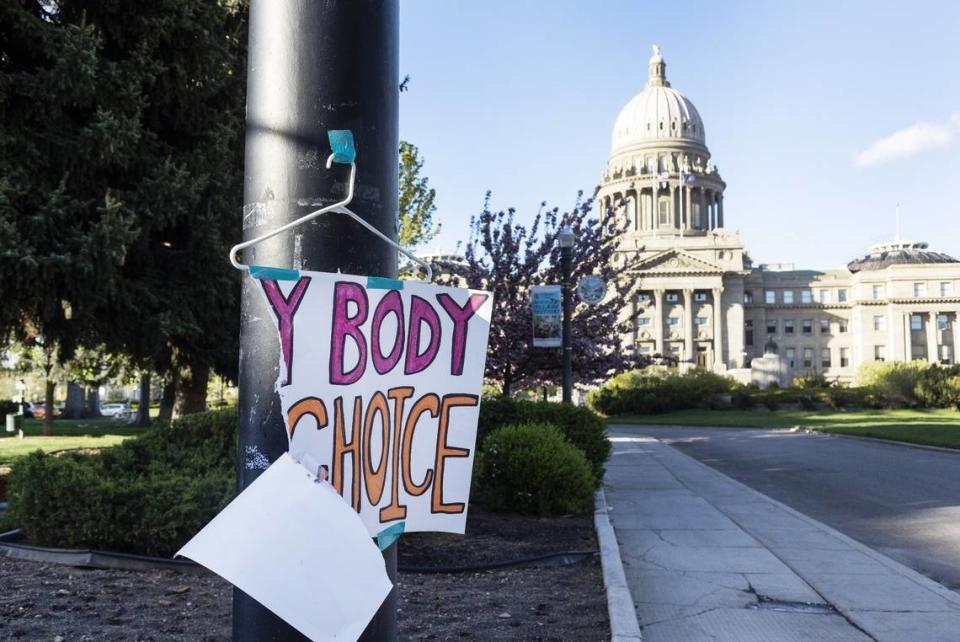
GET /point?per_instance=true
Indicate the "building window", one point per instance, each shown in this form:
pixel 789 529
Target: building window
pixel 791 355
pixel 945 354
pixel 878 322
pixel 808 357
pixel 841 295
pixel 824 296
pixel 806 326
pixel 943 322
pixel 877 291
pixel 700 296
pixel 664 213
pixel 675 351
pixel 788 326
pixel 879 353
pixel 696 216
pixel 672 321
pixel 844 357
pixel 919 289
pixel 673 297
pixel 946 288
pixel 748 332
pixel 645 349
pixel 841 326
pixel 824 326
pixel 806 296
pixel 770 297
pixel 643 300
pixel 916 322
pixel 643 321
pixel 825 358
pixel 700 321
pixel 771 326
pixel 788 296
pixel 748 296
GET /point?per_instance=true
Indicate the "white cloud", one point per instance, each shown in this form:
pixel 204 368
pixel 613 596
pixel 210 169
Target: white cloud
pixel 911 141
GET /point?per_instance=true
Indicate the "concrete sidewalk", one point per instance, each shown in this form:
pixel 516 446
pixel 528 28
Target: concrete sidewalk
pixel 707 558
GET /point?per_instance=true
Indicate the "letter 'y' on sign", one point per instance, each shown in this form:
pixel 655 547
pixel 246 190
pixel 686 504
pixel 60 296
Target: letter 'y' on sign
pixel 379 381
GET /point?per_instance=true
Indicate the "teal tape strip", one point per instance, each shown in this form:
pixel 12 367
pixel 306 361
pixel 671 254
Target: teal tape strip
pixel 380 283
pixel 389 535
pixel 273 274
pixel 341 144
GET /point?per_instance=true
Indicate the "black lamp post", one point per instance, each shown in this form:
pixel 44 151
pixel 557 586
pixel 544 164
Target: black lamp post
pixel 565 239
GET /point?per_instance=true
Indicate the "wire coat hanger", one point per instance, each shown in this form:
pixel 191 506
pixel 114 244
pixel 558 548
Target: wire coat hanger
pixel 344 153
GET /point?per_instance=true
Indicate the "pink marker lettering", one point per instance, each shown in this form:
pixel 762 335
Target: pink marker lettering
pixel 346 326
pixel 284 308
pixel 460 317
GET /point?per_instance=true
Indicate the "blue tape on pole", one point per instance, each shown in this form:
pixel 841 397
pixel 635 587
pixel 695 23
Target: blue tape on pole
pixel 389 535
pixel 273 274
pixel 381 283
pixel 341 144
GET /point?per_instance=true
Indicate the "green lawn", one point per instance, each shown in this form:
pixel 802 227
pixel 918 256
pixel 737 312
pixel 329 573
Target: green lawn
pixel 932 427
pixel 68 433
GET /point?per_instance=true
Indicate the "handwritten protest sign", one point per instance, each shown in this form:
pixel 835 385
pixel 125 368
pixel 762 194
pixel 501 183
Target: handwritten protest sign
pixel 380 383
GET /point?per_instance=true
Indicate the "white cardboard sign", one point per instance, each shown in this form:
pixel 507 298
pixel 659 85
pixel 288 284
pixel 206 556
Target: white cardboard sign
pixel 380 383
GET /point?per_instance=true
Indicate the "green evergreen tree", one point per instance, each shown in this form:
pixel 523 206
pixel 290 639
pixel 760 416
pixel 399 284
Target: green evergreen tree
pixel 416 200
pixel 120 179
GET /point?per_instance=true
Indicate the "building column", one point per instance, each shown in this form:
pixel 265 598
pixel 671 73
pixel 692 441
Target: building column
pixel 956 337
pixel 932 354
pixel 720 209
pixel 688 327
pixel 718 329
pixel 688 210
pixel 658 319
pixel 907 339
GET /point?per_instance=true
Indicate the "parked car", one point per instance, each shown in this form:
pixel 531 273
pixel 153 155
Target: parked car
pixel 114 409
pixel 40 411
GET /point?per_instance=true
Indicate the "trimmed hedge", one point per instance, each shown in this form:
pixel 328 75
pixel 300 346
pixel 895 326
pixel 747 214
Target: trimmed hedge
pixel 656 390
pixel 582 427
pixel 148 495
pixel 532 469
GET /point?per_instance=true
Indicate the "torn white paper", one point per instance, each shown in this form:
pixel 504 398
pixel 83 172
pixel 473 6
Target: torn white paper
pixel 298 548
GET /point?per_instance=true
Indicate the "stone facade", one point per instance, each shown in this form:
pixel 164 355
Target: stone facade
pixel 702 301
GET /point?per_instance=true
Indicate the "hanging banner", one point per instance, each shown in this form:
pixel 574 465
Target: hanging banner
pixel 380 388
pixel 547 308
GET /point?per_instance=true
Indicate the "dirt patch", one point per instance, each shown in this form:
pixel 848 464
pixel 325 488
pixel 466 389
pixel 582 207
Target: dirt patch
pixel 44 601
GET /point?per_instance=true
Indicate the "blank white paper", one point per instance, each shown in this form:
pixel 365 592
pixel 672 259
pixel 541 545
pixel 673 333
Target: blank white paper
pixel 299 549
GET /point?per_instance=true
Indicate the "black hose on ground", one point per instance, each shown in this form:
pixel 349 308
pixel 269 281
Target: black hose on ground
pixel 130 562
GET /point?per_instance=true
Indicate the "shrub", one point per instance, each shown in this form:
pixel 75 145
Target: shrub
pixel 742 399
pixel 658 390
pixel 810 381
pixel 532 469
pixel 147 495
pixel 939 387
pixel 914 384
pixel 580 426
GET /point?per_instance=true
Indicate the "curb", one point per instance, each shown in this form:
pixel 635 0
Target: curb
pixel 881 440
pixel 624 626
pixel 895 566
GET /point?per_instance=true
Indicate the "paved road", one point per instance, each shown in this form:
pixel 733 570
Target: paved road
pixel 901 501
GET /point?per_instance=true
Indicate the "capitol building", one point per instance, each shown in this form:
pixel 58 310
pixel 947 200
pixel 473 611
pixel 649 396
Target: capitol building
pixel 701 300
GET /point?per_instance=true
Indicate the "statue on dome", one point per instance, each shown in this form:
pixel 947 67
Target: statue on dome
pixel 711 168
pixel 656 50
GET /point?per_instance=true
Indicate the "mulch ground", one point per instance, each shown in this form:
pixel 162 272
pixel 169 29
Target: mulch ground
pixel 49 602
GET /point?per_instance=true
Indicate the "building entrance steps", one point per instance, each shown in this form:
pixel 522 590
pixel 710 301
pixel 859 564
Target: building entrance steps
pixel 707 558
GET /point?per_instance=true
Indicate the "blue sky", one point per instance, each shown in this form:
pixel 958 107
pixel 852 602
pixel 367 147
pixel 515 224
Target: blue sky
pixel 820 115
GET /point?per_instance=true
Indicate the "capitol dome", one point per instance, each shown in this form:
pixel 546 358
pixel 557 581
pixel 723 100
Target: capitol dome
pixel 658 112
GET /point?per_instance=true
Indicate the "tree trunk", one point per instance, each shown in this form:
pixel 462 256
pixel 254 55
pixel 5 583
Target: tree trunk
pixel 191 394
pixel 93 402
pixel 143 410
pixel 169 392
pixel 76 400
pixel 48 408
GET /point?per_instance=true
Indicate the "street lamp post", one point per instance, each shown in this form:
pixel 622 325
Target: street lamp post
pixel 565 238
